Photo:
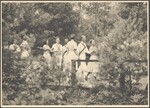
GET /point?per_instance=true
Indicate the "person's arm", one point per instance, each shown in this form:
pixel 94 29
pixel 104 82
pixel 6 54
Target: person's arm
pixel 78 49
pixel 48 48
pixel 87 50
pixel 64 49
pixel 92 50
pixel 53 47
pixel 75 48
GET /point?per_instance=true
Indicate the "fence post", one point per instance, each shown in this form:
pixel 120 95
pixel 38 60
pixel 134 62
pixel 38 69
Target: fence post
pixel 73 73
pixel 130 81
pixel 122 82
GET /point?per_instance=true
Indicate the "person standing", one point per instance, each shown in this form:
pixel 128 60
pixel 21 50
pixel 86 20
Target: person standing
pixel 71 54
pixel 25 48
pixel 92 67
pixel 57 50
pixel 14 47
pixel 64 63
pixel 64 54
pixel 93 50
pixel 46 53
pixel 82 50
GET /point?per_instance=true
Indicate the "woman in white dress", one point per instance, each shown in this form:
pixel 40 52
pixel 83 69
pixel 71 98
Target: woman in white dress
pixel 71 54
pixel 25 48
pixel 57 52
pixel 64 54
pixel 93 50
pixel 46 53
pixel 92 67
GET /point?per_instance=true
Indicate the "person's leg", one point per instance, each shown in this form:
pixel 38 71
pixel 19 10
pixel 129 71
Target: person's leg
pixel 79 75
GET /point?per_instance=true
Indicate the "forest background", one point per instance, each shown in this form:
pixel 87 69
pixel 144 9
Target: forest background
pixel 120 31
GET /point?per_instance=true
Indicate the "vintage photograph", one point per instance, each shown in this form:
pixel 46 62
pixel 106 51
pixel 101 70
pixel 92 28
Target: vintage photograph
pixel 74 53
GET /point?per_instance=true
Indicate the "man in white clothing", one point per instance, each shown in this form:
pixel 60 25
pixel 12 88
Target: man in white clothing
pixel 82 50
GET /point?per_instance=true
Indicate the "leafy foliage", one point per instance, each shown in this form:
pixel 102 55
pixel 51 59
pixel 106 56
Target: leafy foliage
pixel 120 30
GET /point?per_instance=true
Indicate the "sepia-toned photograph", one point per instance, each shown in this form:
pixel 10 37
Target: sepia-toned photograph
pixel 76 53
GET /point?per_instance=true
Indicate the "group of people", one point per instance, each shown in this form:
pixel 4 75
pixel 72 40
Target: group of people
pixel 24 48
pixel 64 54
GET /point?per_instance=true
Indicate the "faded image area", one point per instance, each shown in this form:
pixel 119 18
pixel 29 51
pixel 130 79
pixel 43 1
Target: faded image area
pixel 74 53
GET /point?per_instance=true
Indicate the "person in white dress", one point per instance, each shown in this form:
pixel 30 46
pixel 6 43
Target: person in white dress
pixel 82 50
pixel 63 62
pixel 92 67
pixel 57 50
pixel 93 50
pixel 46 53
pixel 25 48
pixel 14 47
pixel 71 54
pixel 64 54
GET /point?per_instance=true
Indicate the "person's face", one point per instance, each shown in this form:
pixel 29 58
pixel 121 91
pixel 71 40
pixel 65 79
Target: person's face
pixel 15 41
pixel 66 41
pixel 31 35
pixel 83 39
pixel 57 40
pixel 93 42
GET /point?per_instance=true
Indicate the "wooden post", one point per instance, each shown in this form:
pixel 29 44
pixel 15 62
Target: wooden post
pixel 130 81
pixel 122 82
pixel 79 63
pixel 73 73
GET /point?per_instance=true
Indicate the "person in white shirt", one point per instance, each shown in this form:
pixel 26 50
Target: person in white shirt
pixel 14 47
pixel 64 54
pixel 82 50
pixel 57 49
pixel 25 48
pixel 64 62
pixel 46 53
pixel 92 67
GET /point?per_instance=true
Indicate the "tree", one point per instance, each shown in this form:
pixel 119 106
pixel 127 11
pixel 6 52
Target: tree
pixel 43 20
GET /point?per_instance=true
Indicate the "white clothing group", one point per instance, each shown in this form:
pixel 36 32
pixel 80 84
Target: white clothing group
pixel 24 48
pixel 63 55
